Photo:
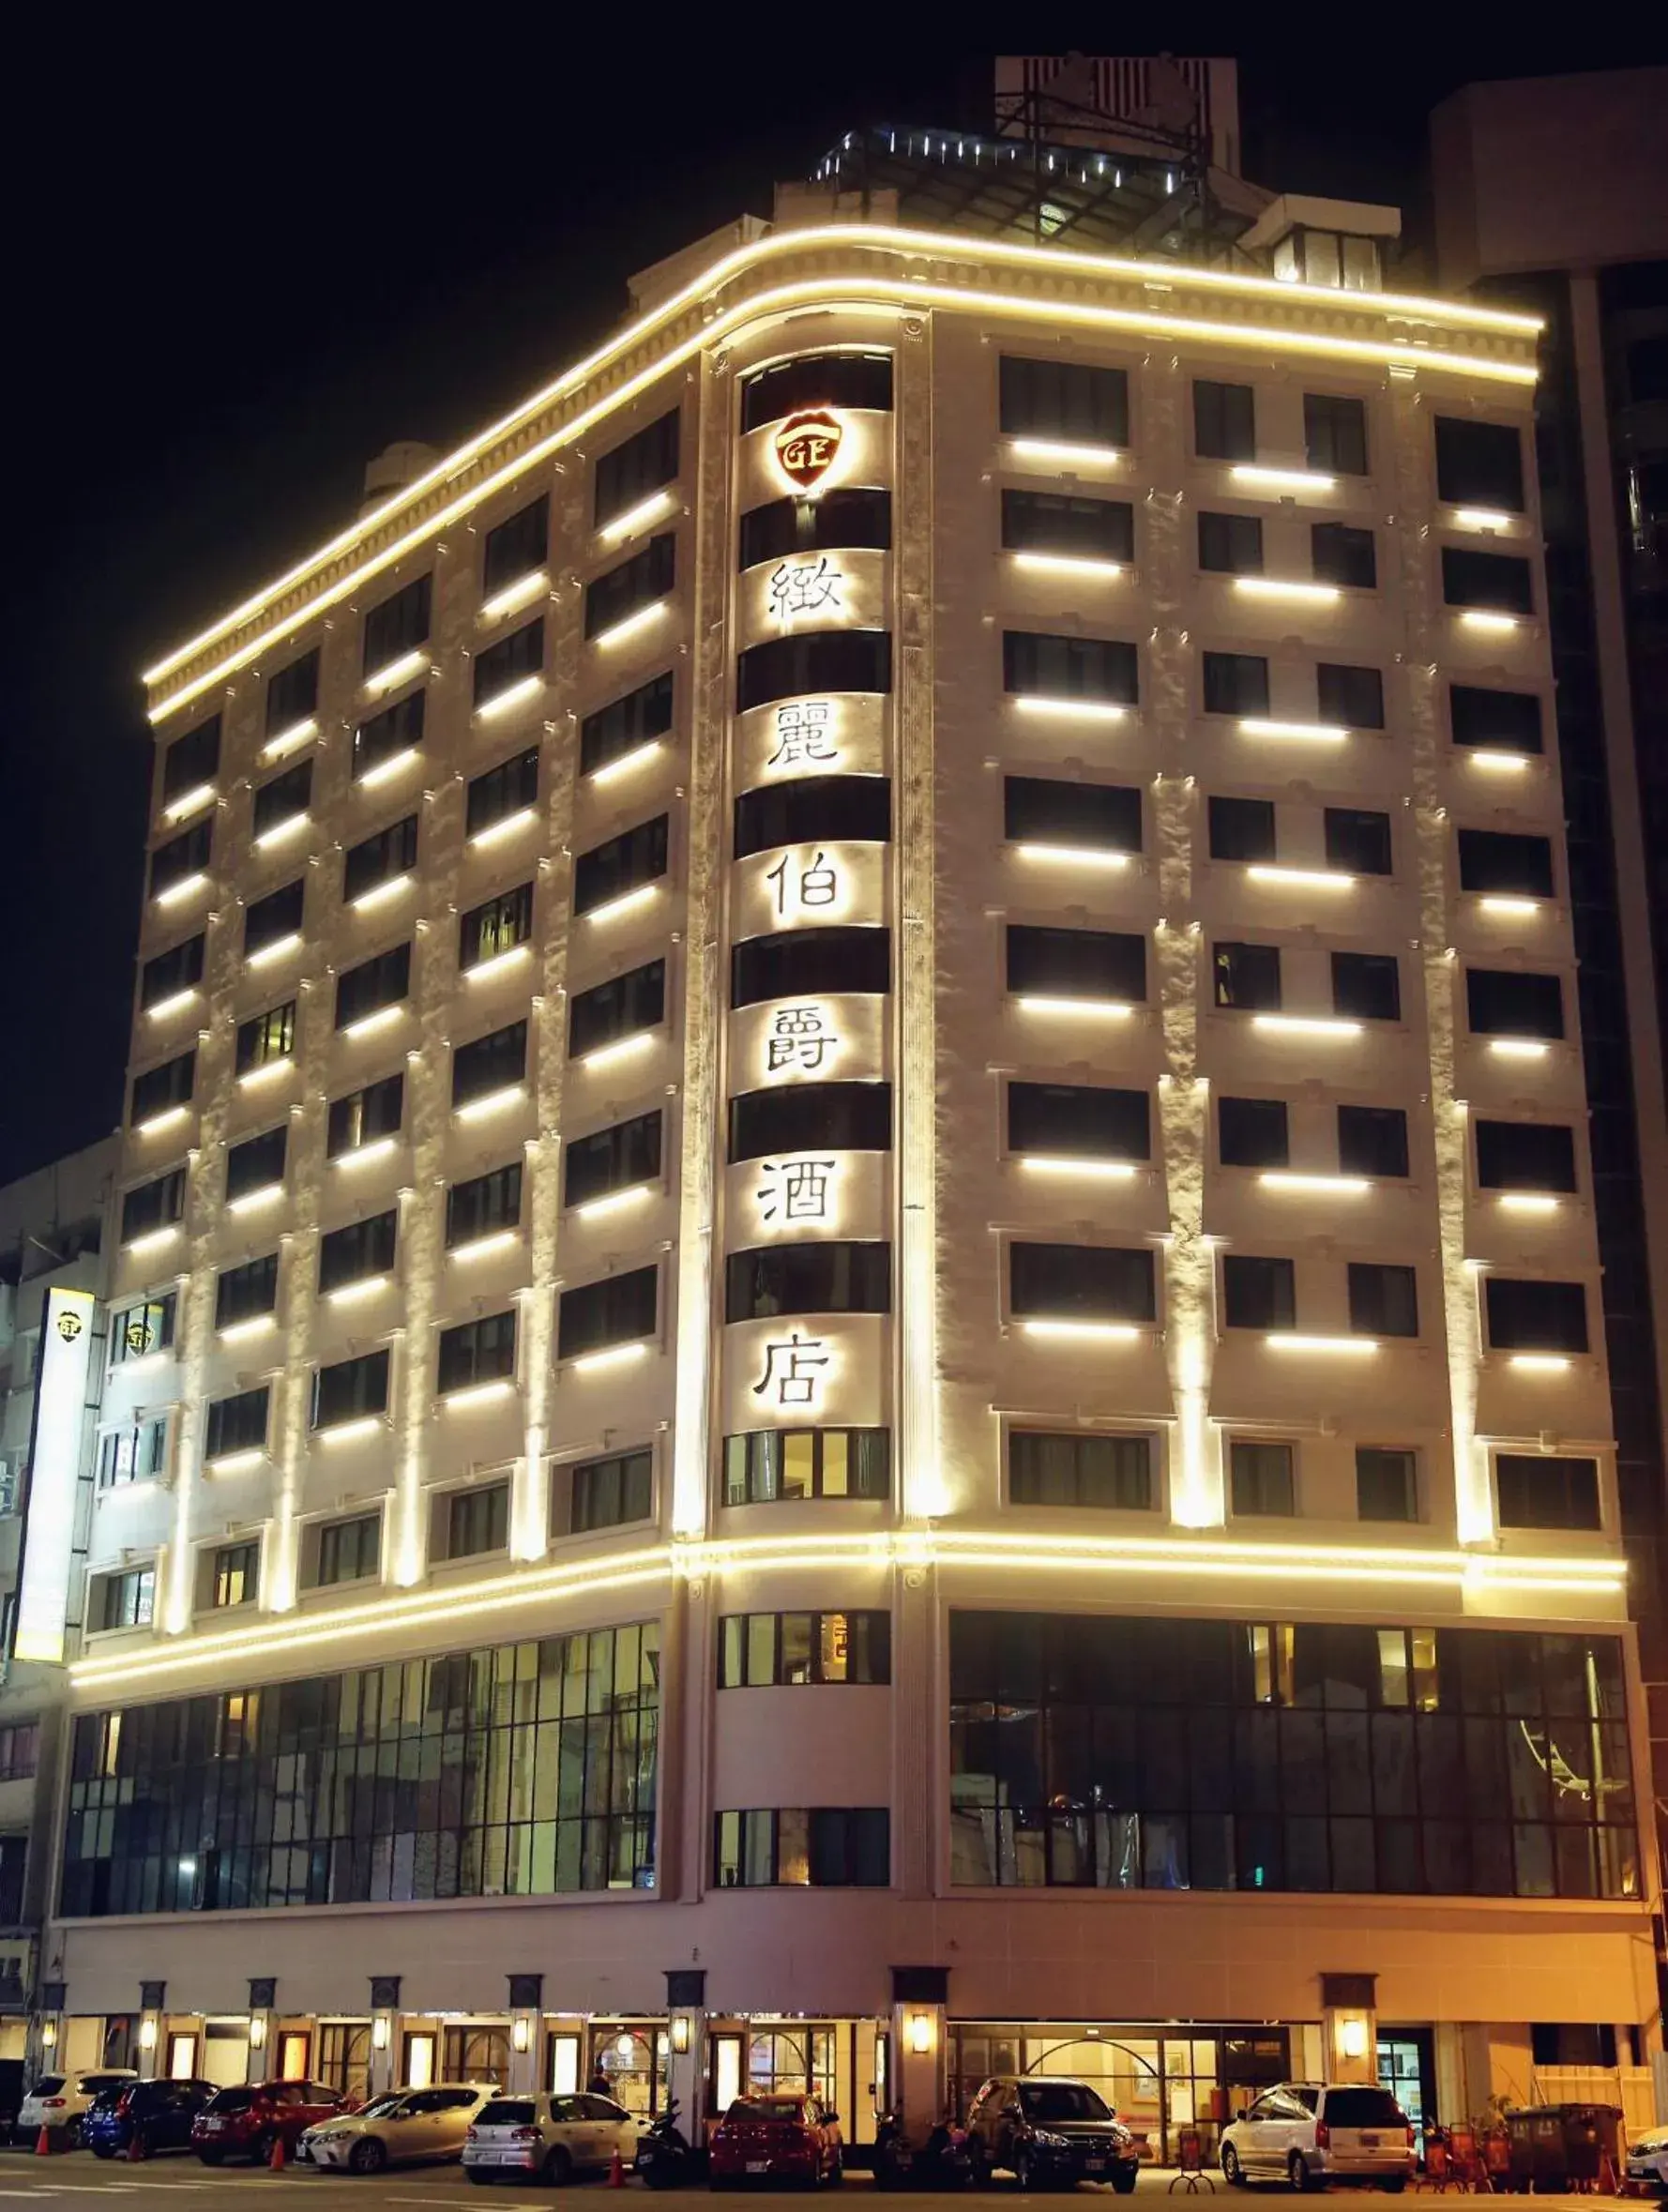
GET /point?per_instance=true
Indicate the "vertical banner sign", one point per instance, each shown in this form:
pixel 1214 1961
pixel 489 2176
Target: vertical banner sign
pixel 54 1470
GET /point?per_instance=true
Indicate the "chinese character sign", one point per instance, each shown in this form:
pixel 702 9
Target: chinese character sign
pixel 795 1191
pixel 800 1037
pixel 804 587
pixel 804 735
pixel 795 1372
pixel 802 887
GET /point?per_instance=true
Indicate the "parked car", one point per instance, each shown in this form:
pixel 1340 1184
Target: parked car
pixel 158 2113
pixel 407 2128
pixel 1647 2158
pixel 247 2121
pixel 64 2100
pixel 1313 2132
pixel 1049 2130
pixel 553 2137
pixel 775 2139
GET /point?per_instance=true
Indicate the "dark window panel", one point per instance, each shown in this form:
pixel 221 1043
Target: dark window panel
pixel 350 1389
pixel 1230 545
pixel 619 728
pixel 815 661
pixel 1509 1002
pixel 1050 810
pixel 610 1493
pixel 385 980
pixel 483 1205
pixel 1358 840
pixel 1533 1316
pixel 1246 977
pixel 1076 527
pixel 236 1424
pixel 615 1158
pixel 1236 683
pixel 1525 1156
pixel 245 1293
pixel 1077 1468
pixel 396 730
pixel 279 914
pixel 357 1249
pixel 1258 1293
pixel 1072 402
pixel 810 1116
pixel 629 473
pixel 1241 829
pixel 478 1351
pixel 1366 986
pixel 1335 433
pixel 816 380
pixel 1479 463
pixel 365 1116
pixel 1224 421
pixel 1104 670
pixel 1076 964
pixel 397 625
pixel 814 809
pixel 1082 1282
pixel 1495 860
pixel 1349 695
pixel 182 857
pixel 180 968
pixel 831 1277
pixel 1544 1490
pixel 515 547
pixel 293 694
pixel 837 522
pixel 1383 1300
pixel 1508 720
pixel 618 1309
pixel 637 857
pixel 1371 1141
pixel 773 1466
pixel 282 799
pixel 257 1161
pixel 489 1063
pixel 623 1006
pixel 508 663
pixel 379 857
pixel 192 760
pixel 631 586
pixel 810 962
pixel 501 792
pixel 1386 1484
pixel 1077 1121
pixel 1251 1132
pixel 1500 583
pixel 1343 554
pixel 157 1089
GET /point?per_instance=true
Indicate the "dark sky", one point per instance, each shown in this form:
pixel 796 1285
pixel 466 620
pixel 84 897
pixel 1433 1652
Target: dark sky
pixel 232 278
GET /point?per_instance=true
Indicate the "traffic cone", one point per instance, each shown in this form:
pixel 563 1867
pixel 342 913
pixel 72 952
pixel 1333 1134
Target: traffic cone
pixel 135 2147
pixel 43 2143
pixel 276 2159
pixel 616 2171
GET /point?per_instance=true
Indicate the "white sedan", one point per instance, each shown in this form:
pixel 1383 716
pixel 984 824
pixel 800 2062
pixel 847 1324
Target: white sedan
pixel 549 2138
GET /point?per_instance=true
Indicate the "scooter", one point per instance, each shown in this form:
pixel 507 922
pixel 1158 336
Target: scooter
pixel 665 2156
pixel 942 2163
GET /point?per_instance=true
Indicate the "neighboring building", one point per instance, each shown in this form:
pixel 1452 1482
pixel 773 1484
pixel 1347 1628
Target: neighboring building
pixel 858 1140
pixel 53 1262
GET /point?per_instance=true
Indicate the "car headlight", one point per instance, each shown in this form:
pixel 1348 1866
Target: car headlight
pixel 1048 2141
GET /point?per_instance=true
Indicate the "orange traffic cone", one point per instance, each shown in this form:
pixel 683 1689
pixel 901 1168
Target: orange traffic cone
pixel 43 2143
pixel 616 2171
pixel 277 2161
pixel 136 2147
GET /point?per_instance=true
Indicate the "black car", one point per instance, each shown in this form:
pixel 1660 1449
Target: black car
pixel 158 2113
pixel 1047 2130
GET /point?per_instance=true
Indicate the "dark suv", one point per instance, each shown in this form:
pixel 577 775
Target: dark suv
pixel 153 2115
pixel 244 2122
pixel 1046 2129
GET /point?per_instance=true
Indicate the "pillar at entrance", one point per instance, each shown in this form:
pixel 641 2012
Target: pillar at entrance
pixel 385 2004
pixel 686 2046
pixel 262 2028
pixel 526 2013
pixel 920 2009
pixel 1349 2026
pixel 152 1996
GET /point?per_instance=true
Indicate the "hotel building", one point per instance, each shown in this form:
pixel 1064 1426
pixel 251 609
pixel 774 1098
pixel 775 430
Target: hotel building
pixel 857 1185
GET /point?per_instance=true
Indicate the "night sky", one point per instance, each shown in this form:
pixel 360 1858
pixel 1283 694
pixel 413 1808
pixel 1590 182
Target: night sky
pixel 232 280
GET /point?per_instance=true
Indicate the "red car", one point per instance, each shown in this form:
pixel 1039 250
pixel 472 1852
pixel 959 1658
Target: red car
pixel 243 2122
pixel 775 2139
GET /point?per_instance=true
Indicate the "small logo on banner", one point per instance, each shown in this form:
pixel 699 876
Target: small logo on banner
pixel 807 447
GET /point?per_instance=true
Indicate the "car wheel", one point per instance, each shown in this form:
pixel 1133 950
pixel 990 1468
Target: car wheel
pixel 260 2150
pixel 478 2175
pixel 211 2157
pixel 1019 2166
pixel 103 2150
pixel 1300 2172
pixel 557 2169
pixel 72 2133
pixel 1393 2184
pixel 368 2156
pixel 1233 2172
pixel 1123 2179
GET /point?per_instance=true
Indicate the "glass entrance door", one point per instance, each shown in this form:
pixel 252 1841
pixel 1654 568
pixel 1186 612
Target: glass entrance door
pixel 1401 2070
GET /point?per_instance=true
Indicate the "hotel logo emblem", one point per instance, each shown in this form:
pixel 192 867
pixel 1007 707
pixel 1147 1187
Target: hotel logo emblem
pixel 807 448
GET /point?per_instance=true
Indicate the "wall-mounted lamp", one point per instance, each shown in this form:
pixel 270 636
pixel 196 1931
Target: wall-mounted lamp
pixel 379 2032
pixel 680 2032
pixel 625 2045
pixel 257 2031
pixel 918 2033
pixel 48 2034
pixel 521 2034
pixel 1352 2036
pixel 147 2034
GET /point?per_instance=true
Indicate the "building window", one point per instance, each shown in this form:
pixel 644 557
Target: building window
pixel 624 724
pixel 381 981
pixel 618 1309
pixel 1353 697
pixel 1076 528
pixel 1528 1316
pixel 779 1650
pixel 1075 402
pixel 826 1847
pixel 568 1725
pixel 615 1158
pixel 1384 1301
pixel 1525 1156
pixel 385 736
pixel 515 547
pixel 1224 421
pixel 266 1038
pixel 1358 839
pixel 831 1277
pixel 1498 581
pixel 1078 1468
pixel 1075 1121
pixel 293 693
pixel 496 926
pixel 631 586
pixel 182 857
pixel 837 522
pixel 282 799
pixel 1251 1132
pixel 349 1551
pixel 1039 666
pixel 816 380
pixel 815 661
pixel 1386 1484
pixel 192 760
pixel 815 808
pixel 478 1521
pixel 626 477
pixel 610 1493
pixel 1366 986
pixel 1082 1282
pixel 126 1600
pixel 1335 433
pixel 154 1204
pixel 625 1005
pixel 267 920
pixel 1494 861
pixel 1509 1002
pixel 157 1089
pixel 236 1424
pixel 623 864
pixel 380 857
pixel 491 1063
pixel 1258 1293
pixel 509 789
pixel 811 963
pixel 1246 977
pixel 351 1389
pixel 483 1205
pixel 358 1251
pixel 136 1453
pixel 20 1749
pixel 1230 545
pixel 366 1116
pixel 479 1350
pixel 811 1116
pixel 1076 964
pixel 1050 810
pixel 1479 463
pixel 178 969
pixel 1543 1490
pixel 397 626
pixel 236 1578
pixel 245 1292
pixel 1510 720
pixel 1241 829
pixel 1343 555
pixel 1371 1141
pixel 137 1332
pixel 513 659
pixel 1236 683
pixel 1261 1480
pixel 766 1466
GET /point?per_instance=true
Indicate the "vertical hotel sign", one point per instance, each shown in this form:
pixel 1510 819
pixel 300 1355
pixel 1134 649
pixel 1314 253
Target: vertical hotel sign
pixel 54 1473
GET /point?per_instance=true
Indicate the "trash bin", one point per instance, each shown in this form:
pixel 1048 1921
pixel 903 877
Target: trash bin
pixel 1553 2146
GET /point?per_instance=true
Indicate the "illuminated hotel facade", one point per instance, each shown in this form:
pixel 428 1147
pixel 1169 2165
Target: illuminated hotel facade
pixel 858 1211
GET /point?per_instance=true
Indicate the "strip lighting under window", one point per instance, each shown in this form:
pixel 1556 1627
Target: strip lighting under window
pixel 1065 452
pixel 1073 855
pixel 509 1094
pixel 477 1394
pixel 622 1048
pixel 1282 480
pixel 382 894
pixel 505 826
pixel 1305 732
pixel 1084 710
pixel 175 1003
pixel 591 1363
pixel 1305 1025
pixel 522 593
pixel 1522 909
pixel 267 956
pixel 395 671
pixel 188 802
pixel 266 1072
pixel 512 695
pixel 281 832
pixel 1280 1340
pixel 361 1155
pixel 1487 618
pixel 1282 587
pixel 237 1462
pixel 379 1018
pixel 1069 565
pixel 154 1123
pixel 384 771
pixel 290 741
pixel 1502 764
pixel 243 1332
pixel 627 762
pixel 152 1241
pixel 1099 1009
pixel 1095 1170
pixel 1541 1363
pixel 479 1248
pixel 637 518
pixel 1528 1202
pixel 186 887
pixel 250 1202
pixel 627 903
pixel 498 964
pixel 631 624
pixel 1321 1186
pixel 613 1202
pixel 1108 1332
pixel 1519 1048
pixel 354 1294
pixel 1482 518
pixel 349 1431
pixel 1311 879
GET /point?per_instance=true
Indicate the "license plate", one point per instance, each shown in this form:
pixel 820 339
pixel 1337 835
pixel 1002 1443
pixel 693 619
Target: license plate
pixel 1094 2165
pixel 213 2127
pixel 1369 2142
pixel 758 2165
